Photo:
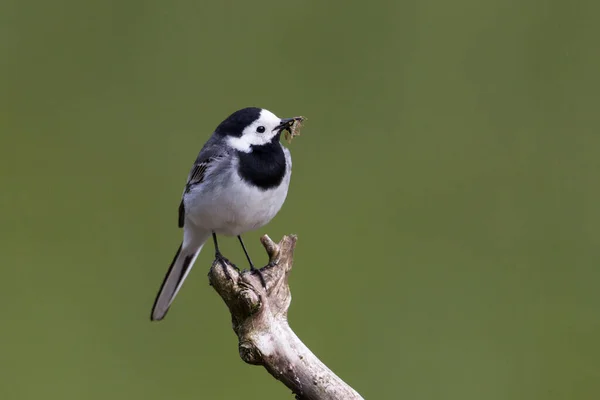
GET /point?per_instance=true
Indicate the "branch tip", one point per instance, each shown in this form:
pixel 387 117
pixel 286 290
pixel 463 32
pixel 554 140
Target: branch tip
pixel 271 247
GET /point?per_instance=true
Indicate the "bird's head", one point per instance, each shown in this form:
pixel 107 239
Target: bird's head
pixel 253 126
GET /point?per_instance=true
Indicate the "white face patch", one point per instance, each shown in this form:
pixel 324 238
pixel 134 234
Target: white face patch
pixel 252 135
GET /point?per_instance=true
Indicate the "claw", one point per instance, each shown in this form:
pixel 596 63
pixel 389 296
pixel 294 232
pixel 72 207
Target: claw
pixel 260 276
pixel 223 261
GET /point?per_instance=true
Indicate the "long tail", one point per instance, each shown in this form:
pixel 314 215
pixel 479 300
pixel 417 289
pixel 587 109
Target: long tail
pixel 178 271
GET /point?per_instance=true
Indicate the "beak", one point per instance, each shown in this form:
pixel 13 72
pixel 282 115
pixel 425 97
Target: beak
pixel 286 124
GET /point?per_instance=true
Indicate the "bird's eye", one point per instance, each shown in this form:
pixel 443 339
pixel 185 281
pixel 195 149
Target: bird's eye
pixel 260 129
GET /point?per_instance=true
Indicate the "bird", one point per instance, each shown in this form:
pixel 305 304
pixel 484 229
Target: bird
pixel 237 184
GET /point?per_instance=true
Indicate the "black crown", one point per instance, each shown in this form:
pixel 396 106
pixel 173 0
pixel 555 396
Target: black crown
pixel 235 124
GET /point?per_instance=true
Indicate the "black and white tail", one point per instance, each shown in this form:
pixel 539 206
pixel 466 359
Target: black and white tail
pixel 178 271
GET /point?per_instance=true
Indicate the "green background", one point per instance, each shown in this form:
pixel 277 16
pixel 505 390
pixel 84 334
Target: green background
pixel 445 194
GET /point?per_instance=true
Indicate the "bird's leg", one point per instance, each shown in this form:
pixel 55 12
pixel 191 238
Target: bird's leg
pixel 219 257
pixel 246 253
pixel 254 270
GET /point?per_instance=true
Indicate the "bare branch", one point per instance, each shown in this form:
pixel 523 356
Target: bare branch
pixel 259 318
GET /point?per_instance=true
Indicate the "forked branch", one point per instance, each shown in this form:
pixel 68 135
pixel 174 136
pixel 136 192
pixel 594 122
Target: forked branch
pixel 259 319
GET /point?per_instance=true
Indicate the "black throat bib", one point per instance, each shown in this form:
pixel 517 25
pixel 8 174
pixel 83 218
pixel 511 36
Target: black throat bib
pixel 264 166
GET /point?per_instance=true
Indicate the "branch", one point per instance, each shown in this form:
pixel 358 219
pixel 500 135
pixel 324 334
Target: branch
pixel 259 318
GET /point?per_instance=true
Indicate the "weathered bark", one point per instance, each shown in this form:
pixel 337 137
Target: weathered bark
pixel 259 318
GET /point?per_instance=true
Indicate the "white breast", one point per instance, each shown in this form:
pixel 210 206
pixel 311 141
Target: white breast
pixel 230 206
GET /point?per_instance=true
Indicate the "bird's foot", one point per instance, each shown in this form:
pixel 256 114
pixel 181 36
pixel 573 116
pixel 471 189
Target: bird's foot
pixel 224 261
pixel 260 275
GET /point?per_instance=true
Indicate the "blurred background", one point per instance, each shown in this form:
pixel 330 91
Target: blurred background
pixel 445 194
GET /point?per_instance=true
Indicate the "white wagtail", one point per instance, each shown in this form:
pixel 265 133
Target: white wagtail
pixel 238 183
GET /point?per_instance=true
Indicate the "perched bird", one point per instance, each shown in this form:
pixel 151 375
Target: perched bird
pixel 238 183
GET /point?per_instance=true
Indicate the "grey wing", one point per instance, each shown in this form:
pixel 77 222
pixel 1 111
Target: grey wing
pixel 197 174
pixel 208 157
